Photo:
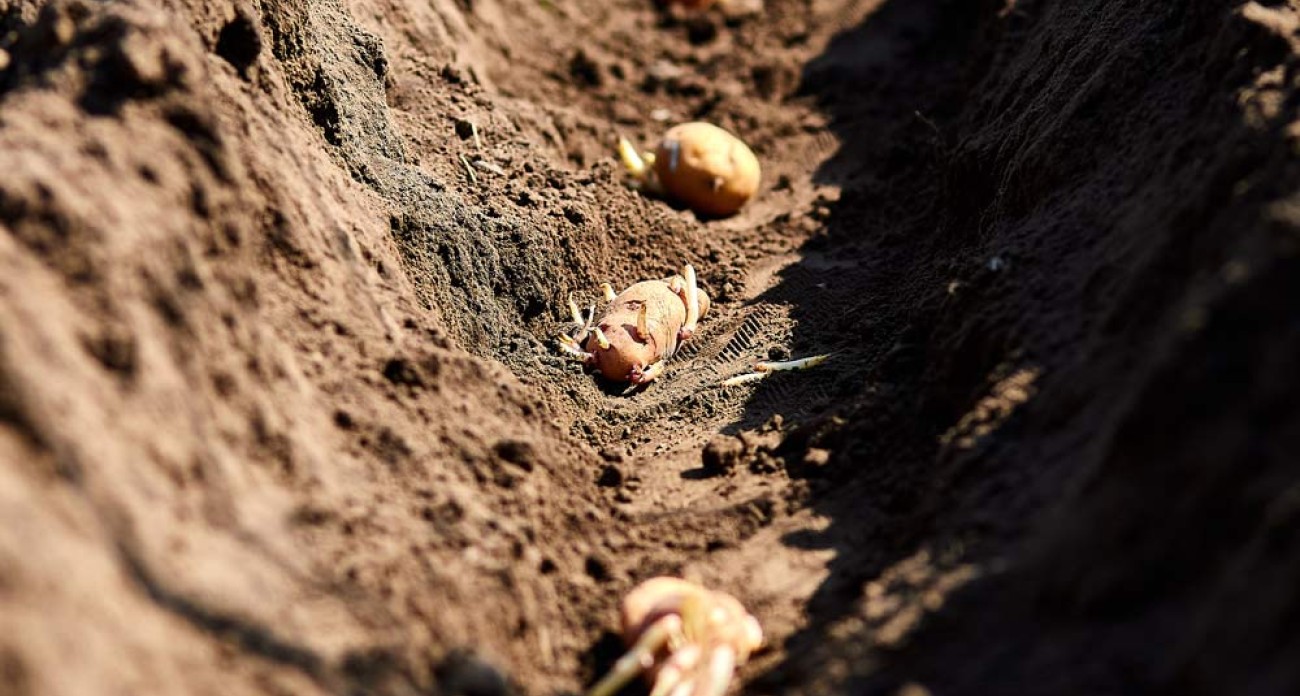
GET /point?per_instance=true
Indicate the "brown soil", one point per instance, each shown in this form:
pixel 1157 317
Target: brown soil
pixel 281 410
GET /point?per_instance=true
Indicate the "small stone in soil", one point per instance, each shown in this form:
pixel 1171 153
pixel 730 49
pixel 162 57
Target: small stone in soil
pixel 722 454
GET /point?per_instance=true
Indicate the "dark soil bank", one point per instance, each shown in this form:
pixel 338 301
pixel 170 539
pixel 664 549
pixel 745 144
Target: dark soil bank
pixel 281 410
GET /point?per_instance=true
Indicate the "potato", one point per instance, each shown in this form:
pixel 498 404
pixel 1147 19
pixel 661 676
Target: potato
pixel 706 168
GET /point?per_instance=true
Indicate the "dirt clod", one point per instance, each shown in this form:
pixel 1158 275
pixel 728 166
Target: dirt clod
pixel 240 43
pixel 610 477
pixel 281 409
pixel 585 71
pixel 722 454
pixel 517 452
pixel 465 128
pixel 463 673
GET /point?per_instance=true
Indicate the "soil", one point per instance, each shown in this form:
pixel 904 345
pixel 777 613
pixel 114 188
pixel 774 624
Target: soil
pixel 281 410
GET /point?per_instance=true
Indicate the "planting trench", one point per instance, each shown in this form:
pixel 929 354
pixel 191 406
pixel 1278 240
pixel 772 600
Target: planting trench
pixel 281 411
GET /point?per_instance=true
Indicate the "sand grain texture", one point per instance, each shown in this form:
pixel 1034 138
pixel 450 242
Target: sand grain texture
pixel 281 413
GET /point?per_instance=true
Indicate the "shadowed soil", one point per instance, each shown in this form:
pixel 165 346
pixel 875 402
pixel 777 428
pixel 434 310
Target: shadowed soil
pixel 281 409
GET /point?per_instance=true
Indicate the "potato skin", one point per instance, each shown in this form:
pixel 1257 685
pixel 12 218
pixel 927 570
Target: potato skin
pixel 665 315
pixel 661 596
pixel 707 168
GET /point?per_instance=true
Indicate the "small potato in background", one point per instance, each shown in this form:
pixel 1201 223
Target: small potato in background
pixel 701 165
pixel 707 168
